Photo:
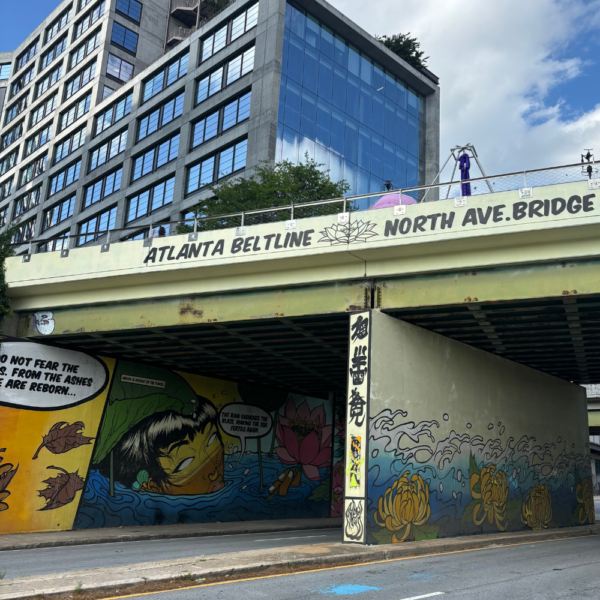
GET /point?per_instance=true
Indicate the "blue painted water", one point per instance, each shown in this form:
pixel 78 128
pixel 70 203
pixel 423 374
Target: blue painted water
pixel 240 500
pixel 348 590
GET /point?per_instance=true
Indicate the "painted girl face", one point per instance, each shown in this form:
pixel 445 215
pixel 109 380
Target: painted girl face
pixel 194 466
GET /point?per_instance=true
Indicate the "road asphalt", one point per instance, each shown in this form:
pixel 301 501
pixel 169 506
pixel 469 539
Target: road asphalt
pixel 551 570
pixel 43 561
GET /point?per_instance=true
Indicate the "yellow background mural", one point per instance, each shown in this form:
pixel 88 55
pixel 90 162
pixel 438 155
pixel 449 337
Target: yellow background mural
pixel 21 433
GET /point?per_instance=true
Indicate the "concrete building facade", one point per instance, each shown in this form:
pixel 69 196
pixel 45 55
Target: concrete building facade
pixel 84 152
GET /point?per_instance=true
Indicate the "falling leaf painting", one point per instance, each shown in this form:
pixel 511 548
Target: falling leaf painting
pixel 62 489
pixel 6 474
pixel 63 437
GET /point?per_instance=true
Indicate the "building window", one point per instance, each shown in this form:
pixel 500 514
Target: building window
pixel 106 92
pixel 8 162
pixel 27 202
pixel 6 188
pixel 83 4
pixel 16 109
pixel 165 77
pixel 26 56
pixel 64 178
pixel 4 71
pixel 114 113
pixel 12 135
pixel 53 53
pixel 104 187
pixel 47 82
pixel 130 8
pixel 80 80
pixel 19 84
pixel 69 145
pixel 159 117
pixel 150 200
pixel 24 232
pixel 3 216
pixel 58 25
pixel 224 163
pixel 76 111
pixel 118 68
pixel 232 159
pixel 156 157
pixel 58 213
pixel 38 140
pixel 108 150
pixel 88 20
pixel 225 75
pixel 125 38
pixel 32 170
pixel 229 32
pixel 84 50
pixel 226 117
pixel 41 111
pixel 60 242
pixel 96 227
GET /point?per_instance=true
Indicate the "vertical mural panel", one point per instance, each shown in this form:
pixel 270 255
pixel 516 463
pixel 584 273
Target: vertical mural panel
pixel 357 417
pixel 464 442
pixel 51 404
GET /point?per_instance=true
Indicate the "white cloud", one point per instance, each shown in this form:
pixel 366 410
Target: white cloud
pixel 497 62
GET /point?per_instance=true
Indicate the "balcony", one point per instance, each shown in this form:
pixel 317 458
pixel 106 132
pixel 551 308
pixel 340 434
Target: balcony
pixel 178 34
pixel 185 11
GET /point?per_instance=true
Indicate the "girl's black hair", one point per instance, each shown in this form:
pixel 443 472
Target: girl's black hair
pixel 139 449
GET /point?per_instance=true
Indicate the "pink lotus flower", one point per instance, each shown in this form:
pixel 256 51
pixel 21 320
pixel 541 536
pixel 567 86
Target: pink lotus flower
pixel 304 439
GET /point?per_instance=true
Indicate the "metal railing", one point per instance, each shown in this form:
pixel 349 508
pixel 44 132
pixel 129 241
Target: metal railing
pixel 425 193
pixel 180 33
pixel 175 4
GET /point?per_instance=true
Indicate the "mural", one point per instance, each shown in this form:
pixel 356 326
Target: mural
pixel 469 482
pixel 113 443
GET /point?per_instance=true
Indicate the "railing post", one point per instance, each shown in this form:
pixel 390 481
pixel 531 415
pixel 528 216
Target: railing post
pixel 242 223
pixel 292 211
pixel 344 205
pixel 525 178
pixel 195 224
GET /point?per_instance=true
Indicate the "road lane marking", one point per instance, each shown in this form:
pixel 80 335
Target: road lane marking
pixel 425 596
pixel 364 564
pixel 299 537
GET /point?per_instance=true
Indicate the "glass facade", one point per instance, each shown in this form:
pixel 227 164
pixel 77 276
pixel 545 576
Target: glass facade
pixel 345 111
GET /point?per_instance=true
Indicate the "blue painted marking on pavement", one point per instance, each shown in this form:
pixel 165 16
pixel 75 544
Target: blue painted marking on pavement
pixel 423 576
pixel 348 590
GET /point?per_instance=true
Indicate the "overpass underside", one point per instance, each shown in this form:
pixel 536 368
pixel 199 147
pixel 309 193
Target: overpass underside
pixel 543 316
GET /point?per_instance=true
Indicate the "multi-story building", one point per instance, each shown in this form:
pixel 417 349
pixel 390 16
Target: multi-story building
pixel 120 114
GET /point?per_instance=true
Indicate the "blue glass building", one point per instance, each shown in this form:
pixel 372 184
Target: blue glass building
pixel 341 108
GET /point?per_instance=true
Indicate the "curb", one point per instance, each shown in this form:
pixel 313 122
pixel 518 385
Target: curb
pixel 148 536
pixel 335 555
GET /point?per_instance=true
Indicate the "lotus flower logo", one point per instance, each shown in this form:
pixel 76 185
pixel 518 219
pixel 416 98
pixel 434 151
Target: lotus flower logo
pixel 348 233
pixel 404 505
pixel 537 508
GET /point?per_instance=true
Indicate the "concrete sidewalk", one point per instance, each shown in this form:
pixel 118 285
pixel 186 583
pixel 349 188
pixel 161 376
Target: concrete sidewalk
pixel 261 562
pixel 109 535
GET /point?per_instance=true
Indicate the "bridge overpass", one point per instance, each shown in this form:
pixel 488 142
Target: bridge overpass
pixel 366 306
pixel 518 278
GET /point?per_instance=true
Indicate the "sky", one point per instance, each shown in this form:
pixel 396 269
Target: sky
pixel 520 79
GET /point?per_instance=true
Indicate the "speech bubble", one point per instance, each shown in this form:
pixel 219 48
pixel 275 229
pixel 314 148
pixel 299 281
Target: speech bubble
pixel 244 421
pixel 38 377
